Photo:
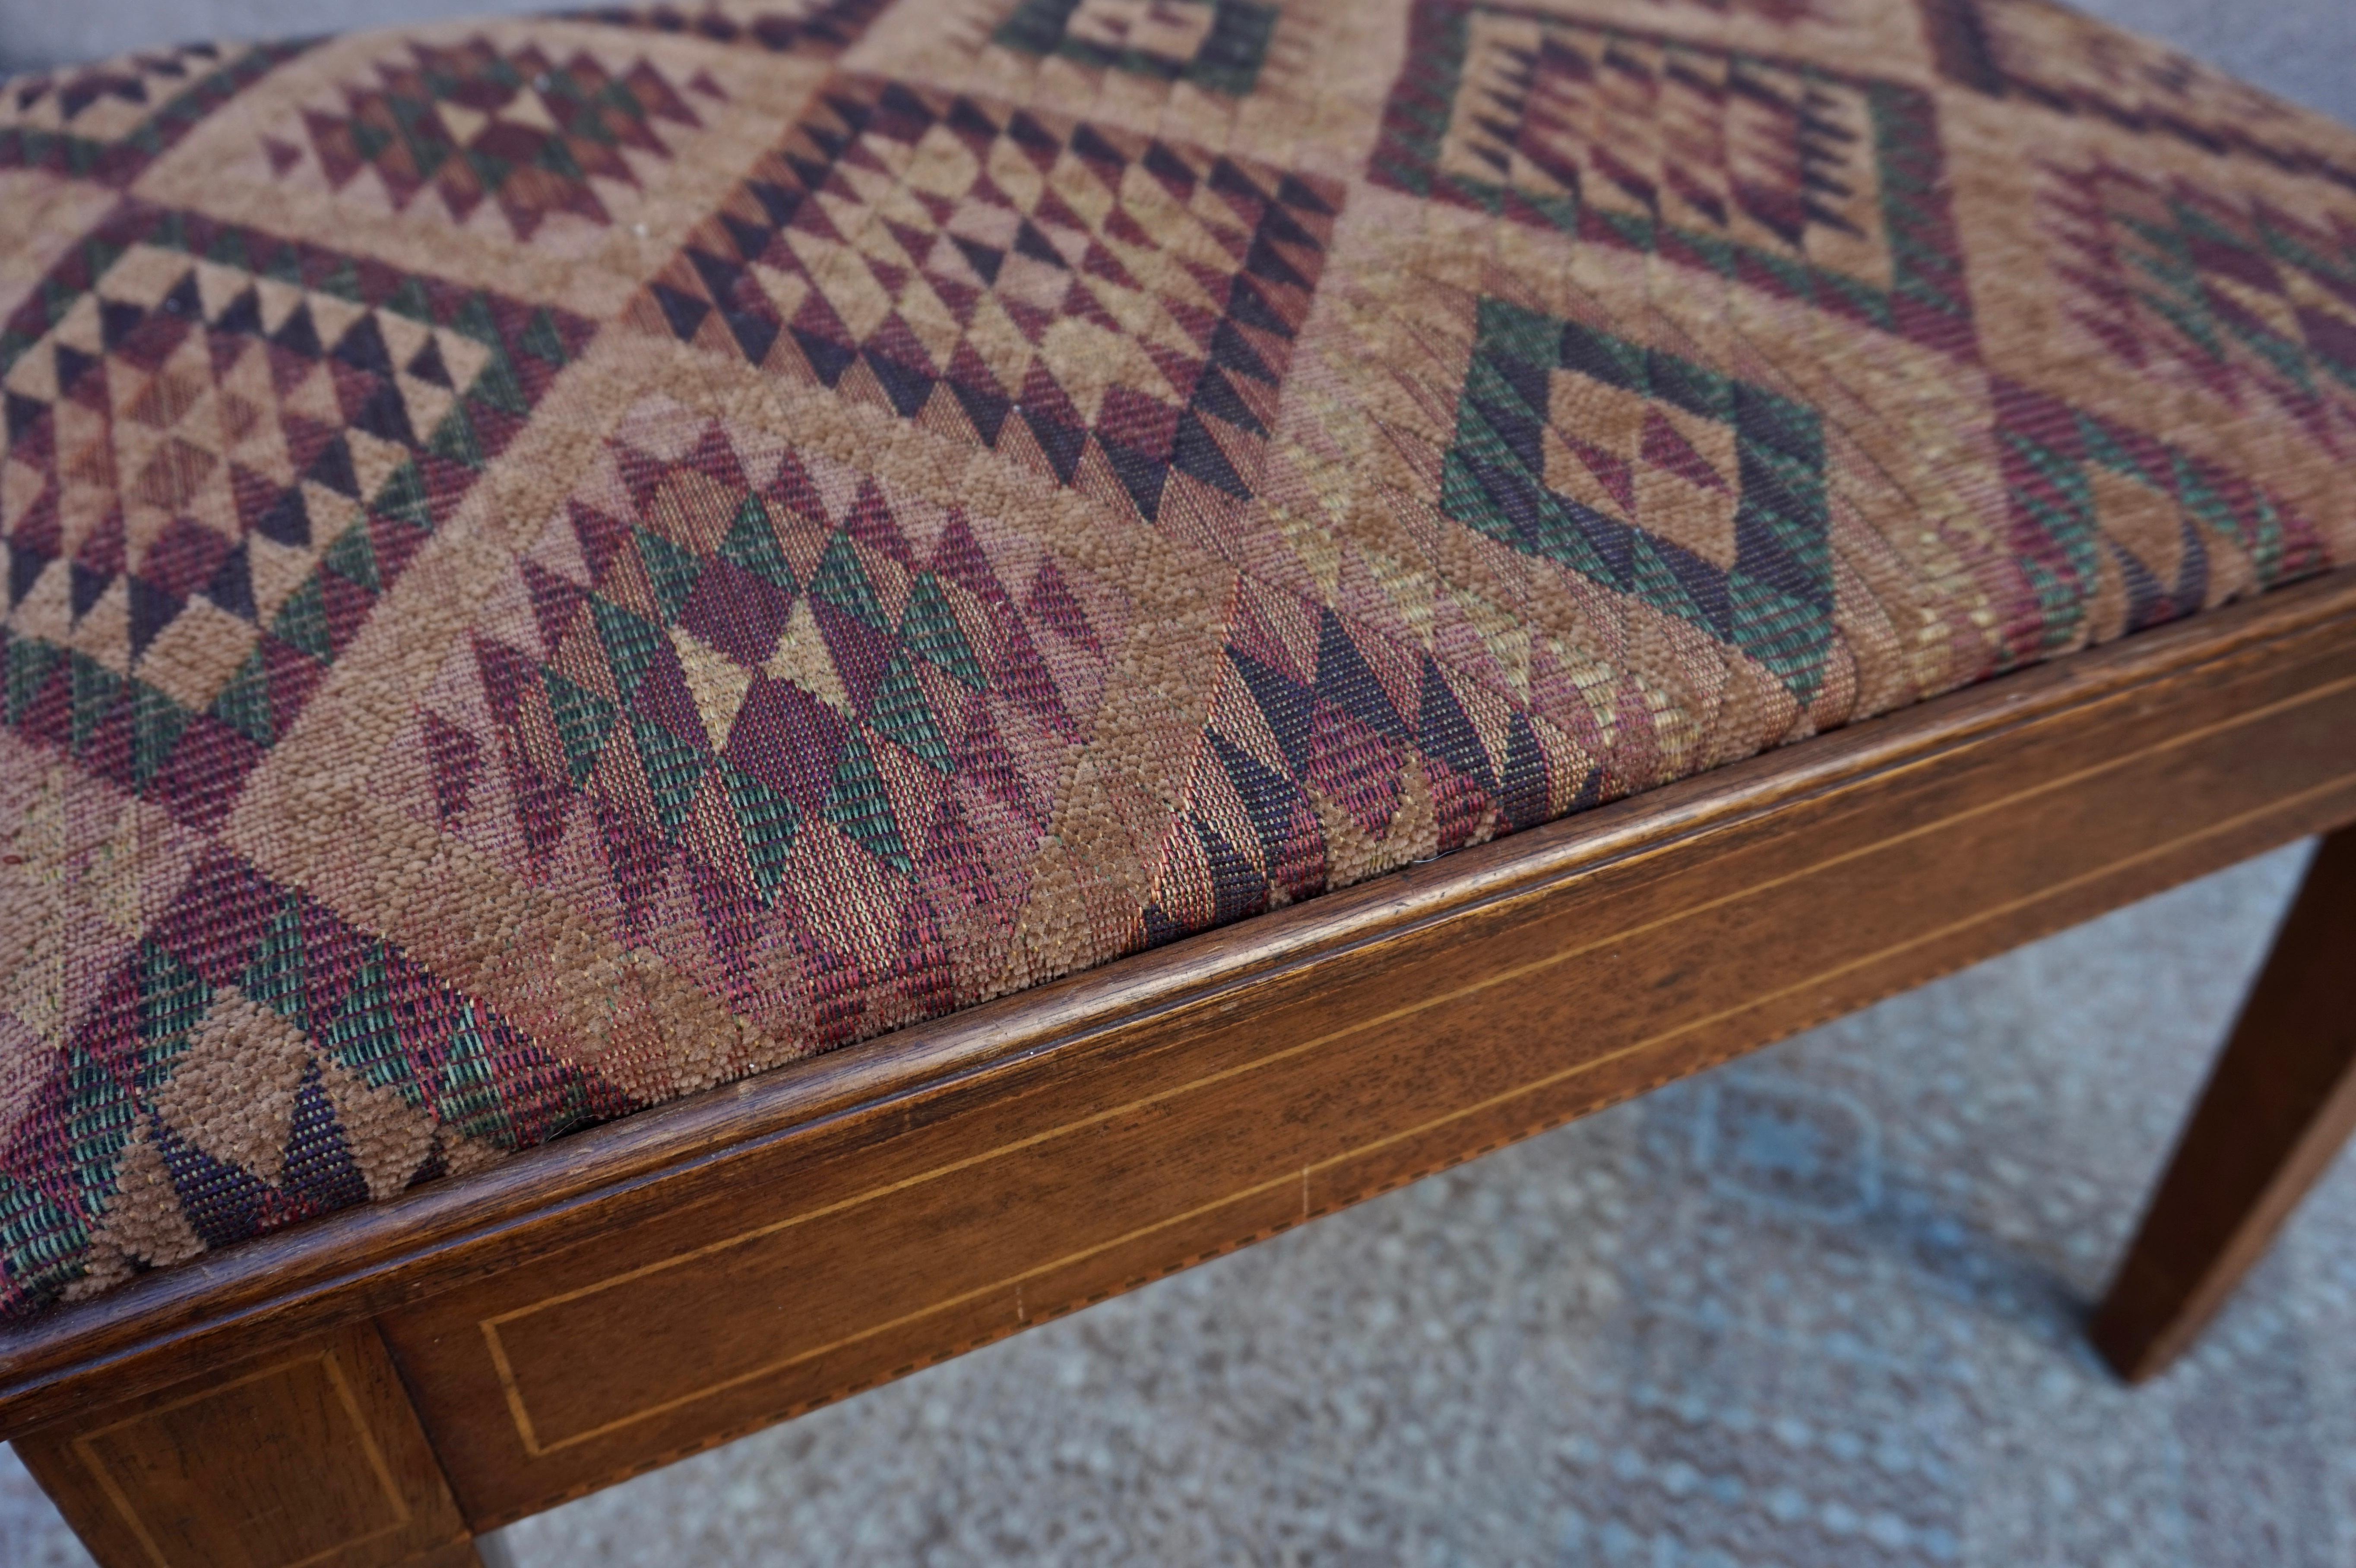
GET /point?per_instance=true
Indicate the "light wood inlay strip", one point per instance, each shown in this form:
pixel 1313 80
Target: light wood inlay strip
pixel 86 1450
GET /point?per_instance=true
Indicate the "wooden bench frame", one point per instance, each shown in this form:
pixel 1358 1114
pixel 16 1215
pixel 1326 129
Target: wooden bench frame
pixel 380 1386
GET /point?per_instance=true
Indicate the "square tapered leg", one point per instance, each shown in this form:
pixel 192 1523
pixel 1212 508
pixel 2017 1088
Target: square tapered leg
pixel 2278 1105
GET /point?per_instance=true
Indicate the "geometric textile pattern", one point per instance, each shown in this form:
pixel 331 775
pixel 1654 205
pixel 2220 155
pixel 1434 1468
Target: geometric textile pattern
pixel 1100 303
pixel 1335 744
pixel 223 448
pixel 107 121
pixel 2178 533
pixel 519 130
pixel 550 564
pixel 350 1072
pixel 1699 493
pixel 1217 44
pixel 736 703
pixel 1783 175
pixel 2237 297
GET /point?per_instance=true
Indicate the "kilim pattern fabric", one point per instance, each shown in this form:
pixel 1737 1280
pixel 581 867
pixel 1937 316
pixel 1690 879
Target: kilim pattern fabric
pixel 554 564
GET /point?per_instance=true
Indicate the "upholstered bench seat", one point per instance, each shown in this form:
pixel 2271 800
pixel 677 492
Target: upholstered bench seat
pixel 554 565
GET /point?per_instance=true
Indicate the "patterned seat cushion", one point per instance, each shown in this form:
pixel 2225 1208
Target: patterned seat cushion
pixel 554 564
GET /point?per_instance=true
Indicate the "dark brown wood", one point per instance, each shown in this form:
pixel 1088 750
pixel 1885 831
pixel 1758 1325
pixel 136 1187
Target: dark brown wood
pixel 2278 1105
pixel 307 1457
pixel 632 1293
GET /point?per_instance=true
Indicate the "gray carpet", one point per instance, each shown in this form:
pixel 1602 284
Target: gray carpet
pixel 1820 1309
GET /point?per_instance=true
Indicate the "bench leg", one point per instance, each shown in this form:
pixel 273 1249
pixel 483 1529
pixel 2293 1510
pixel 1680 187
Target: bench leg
pixel 2279 1103
pixel 307 1457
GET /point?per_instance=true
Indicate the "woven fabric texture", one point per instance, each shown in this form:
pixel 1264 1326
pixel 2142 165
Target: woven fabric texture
pixel 554 564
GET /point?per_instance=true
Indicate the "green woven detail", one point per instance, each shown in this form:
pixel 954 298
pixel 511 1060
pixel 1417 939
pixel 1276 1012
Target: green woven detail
pixel 630 643
pixel 929 629
pixel 352 555
pixel 97 1115
pixel 31 662
pixel 583 720
pixel 43 1244
pixel 156 725
pixel 900 713
pixel 498 387
pixel 275 974
pixel 343 280
pixel 842 582
pixel 95 690
pixel 402 499
pixel 671 570
pixel 302 622
pixel 465 1092
pixel 474 318
pixel 1774 603
pixel 172 995
pixel 455 438
pixel 1228 57
pixel 768 821
pixel 2063 509
pixel 751 543
pixel 673 770
pixel 541 339
pixel 858 805
pixel 365 1034
pixel 244 703
pixel 411 300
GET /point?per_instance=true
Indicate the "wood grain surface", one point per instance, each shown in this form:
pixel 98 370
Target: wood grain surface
pixel 307 1457
pixel 2278 1105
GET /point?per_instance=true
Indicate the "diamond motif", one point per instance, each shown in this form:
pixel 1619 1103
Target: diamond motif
pixel 355 1070
pixel 2235 296
pixel 814 28
pixel 2064 62
pixel 1697 493
pixel 1104 307
pixel 222 448
pixel 1216 44
pixel 1032 520
pixel 108 120
pixel 2116 531
pixel 521 132
pixel 1328 735
pixel 715 650
pixel 1785 177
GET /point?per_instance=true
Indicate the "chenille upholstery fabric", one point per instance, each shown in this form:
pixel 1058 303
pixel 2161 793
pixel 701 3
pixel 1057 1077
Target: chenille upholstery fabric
pixel 554 564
